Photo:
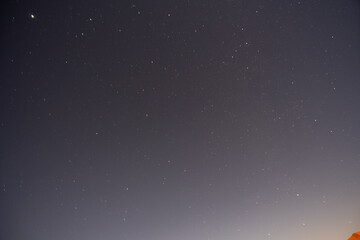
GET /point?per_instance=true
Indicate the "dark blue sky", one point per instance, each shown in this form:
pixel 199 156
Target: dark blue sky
pixel 172 120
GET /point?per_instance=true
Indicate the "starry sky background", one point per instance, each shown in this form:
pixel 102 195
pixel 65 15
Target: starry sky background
pixel 172 120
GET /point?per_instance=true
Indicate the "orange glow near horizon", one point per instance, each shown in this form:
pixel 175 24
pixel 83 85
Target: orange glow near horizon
pixel 355 236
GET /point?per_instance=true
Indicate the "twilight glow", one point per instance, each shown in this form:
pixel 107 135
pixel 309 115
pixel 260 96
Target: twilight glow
pixel 180 120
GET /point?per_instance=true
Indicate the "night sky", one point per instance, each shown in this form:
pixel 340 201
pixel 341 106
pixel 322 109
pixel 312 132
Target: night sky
pixel 180 120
